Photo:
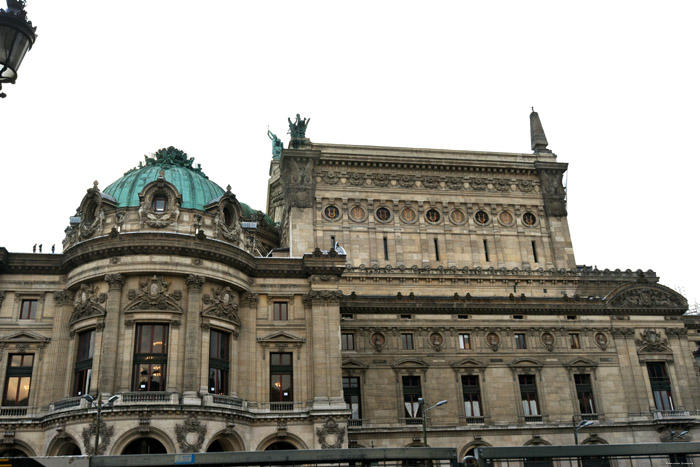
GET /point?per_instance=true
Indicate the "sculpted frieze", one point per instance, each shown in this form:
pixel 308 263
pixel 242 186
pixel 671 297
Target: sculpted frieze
pixel 153 295
pixel 322 296
pixel 646 297
pixel 651 341
pixel 381 180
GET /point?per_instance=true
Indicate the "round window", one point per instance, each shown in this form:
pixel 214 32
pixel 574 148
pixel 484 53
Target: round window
pixel 332 212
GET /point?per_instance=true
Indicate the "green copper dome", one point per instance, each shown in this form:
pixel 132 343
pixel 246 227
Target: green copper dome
pixel 194 186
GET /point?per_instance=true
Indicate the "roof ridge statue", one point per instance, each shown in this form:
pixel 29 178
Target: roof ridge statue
pixel 277 145
pixel 298 131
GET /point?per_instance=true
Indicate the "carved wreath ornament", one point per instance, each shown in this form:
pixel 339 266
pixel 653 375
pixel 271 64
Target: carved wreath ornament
pixel 87 302
pixel 190 435
pixel 330 435
pixel 106 433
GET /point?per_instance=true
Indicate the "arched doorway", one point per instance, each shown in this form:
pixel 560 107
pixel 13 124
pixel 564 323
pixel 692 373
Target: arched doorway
pixel 13 452
pixel 280 446
pixel 69 449
pixel 145 446
pixel 216 446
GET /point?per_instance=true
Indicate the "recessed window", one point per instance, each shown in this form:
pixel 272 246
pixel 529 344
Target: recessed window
pixel 528 395
pixel 351 392
pixel 462 316
pixel 584 393
pixel 486 251
pixel 18 380
pixel 150 357
pixel 575 340
pixel 411 394
pixel 218 362
pixel 465 342
pixel 280 311
pixel 28 310
pixel 472 395
pixel 660 385
pixel 347 341
pixel 407 341
pixel 571 317
pixel 160 203
pixel 386 249
pixel 518 317
pixel 437 249
pixel 229 215
pixel 534 251
pixel 281 383
pixel 83 362
pixel 520 342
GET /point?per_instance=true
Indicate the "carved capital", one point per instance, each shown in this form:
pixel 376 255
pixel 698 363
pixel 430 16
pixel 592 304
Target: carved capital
pixel 250 299
pixel 115 281
pixel 60 297
pixel 194 283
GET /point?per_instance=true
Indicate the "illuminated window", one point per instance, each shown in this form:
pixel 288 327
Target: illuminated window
pixel 280 311
pixel 83 362
pixel 18 380
pixel 218 362
pixel 281 385
pixel 150 357
pixel 28 310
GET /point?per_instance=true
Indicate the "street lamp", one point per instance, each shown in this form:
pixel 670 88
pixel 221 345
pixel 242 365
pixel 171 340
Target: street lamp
pixel 675 435
pixel 421 404
pixel 99 407
pixel 17 35
pixel 581 424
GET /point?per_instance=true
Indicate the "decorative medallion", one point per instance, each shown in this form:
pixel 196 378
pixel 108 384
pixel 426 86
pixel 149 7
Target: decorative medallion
pixel 356 179
pixel 454 183
pixel 383 214
pixel 377 340
pixel 106 433
pixel 529 219
pixel 357 213
pixel 506 218
pixel 330 435
pixel 457 217
pixel 190 435
pixel 88 302
pixel 331 213
pixel 407 181
pixel 501 185
pixel 408 215
pixel 601 340
pixel 223 305
pixel 493 340
pixel 481 217
pixel 330 178
pixel 436 340
pixel 547 340
pixel 153 295
pixel 478 184
pixel 431 182
pixel 433 216
pixel 526 186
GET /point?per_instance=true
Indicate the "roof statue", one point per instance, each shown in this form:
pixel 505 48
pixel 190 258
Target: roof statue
pixel 277 145
pixel 298 128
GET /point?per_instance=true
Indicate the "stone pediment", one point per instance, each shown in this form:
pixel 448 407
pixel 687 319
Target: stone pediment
pixel 409 363
pixel 88 302
pixel 468 363
pixel 153 295
pixel 353 364
pixel 282 337
pixel 525 362
pixel 580 363
pixel 24 337
pixel 645 295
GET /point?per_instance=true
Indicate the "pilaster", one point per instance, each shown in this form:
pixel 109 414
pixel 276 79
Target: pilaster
pixel 193 333
pixel 110 338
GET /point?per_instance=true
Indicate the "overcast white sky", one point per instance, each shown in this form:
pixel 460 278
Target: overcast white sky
pixel 615 83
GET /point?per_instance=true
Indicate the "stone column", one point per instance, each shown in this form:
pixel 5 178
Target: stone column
pixel 110 334
pixel 58 367
pixel 193 332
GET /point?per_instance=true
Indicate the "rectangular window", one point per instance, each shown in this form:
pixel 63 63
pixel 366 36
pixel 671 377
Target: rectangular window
pixel 520 342
pixel 150 357
pixel 18 380
pixel 351 392
pixel 437 250
pixel 486 251
pixel 280 311
pixel 464 342
pixel 218 362
pixel 281 386
pixel 411 394
pixel 347 341
pixel 575 340
pixel 83 362
pixel 584 393
pixel 332 242
pixel 472 395
pixel 528 395
pixel 660 385
pixel 407 341
pixel 28 310
pixel 386 249
pixel 534 251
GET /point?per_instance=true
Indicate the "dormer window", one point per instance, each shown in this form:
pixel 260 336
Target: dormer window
pixel 160 203
pixel 229 216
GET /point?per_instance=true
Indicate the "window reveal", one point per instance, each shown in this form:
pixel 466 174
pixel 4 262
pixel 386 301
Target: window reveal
pixel 28 310
pixel 411 394
pixel 584 393
pixel 660 385
pixel 280 311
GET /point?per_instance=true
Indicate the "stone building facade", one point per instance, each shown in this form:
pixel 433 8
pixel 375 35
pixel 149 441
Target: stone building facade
pixel 380 278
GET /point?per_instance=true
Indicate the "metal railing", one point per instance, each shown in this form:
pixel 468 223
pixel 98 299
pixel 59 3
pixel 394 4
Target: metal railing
pixel 532 418
pixel 14 411
pixel 69 403
pixel 475 420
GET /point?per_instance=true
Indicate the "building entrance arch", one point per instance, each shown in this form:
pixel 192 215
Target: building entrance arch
pixel 145 446
pixel 281 446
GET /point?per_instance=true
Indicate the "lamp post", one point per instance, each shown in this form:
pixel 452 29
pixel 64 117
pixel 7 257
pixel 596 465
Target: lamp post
pixel 99 407
pixel 421 403
pixel 581 424
pixel 675 435
pixel 17 35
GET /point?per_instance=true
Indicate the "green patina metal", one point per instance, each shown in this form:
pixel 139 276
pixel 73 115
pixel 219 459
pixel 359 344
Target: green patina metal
pixel 193 184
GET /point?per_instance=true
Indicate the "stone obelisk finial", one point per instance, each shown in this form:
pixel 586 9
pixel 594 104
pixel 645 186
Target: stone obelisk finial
pixel 538 139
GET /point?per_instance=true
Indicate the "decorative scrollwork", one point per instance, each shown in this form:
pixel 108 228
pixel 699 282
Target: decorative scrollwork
pixel 106 433
pixel 330 435
pixel 191 425
pixel 153 295
pixel 87 302
pixel 223 305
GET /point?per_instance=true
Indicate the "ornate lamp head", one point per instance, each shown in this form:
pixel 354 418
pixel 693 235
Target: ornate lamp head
pixel 17 35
